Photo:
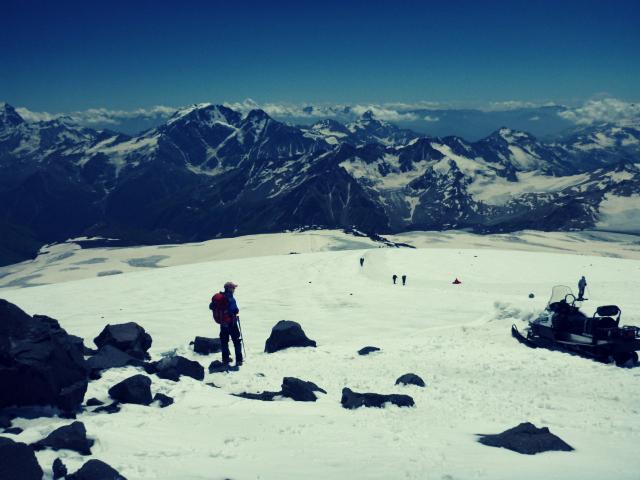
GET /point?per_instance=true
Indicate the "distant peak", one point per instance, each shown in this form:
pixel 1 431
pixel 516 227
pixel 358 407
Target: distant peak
pixel 258 114
pixel 368 115
pixel 9 116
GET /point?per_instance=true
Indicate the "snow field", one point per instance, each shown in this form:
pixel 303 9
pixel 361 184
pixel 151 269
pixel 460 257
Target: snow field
pixel 479 379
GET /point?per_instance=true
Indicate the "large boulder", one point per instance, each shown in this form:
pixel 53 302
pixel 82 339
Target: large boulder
pixel 352 400
pixel 129 337
pixel 300 390
pixel 410 379
pixel 18 461
pixel 108 357
pixel 96 470
pixel 136 389
pixel 171 368
pixel 70 437
pixel 526 438
pixel 206 346
pixel 287 334
pixel 40 363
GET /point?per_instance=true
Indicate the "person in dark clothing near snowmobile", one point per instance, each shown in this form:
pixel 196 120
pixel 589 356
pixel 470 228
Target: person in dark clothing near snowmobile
pixel 225 313
pixel 582 283
pixel 395 277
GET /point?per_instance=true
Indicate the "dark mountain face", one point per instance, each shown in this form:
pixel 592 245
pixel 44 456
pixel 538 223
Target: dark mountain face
pixel 210 171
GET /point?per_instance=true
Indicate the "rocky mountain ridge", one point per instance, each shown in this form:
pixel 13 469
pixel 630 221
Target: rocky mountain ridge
pixel 211 171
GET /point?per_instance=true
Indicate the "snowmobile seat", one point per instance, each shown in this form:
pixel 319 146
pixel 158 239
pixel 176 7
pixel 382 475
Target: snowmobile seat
pixel 603 324
pixel 607 311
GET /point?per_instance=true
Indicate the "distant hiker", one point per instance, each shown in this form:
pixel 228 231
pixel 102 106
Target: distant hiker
pixel 582 283
pixel 361 261
pixel 225 313
pixel 404 280
pixel 395 277
pixel 456 281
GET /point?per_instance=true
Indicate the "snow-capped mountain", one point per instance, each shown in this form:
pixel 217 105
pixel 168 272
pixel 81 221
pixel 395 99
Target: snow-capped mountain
pixel 366 129
pixel 601 145
pixel 211 171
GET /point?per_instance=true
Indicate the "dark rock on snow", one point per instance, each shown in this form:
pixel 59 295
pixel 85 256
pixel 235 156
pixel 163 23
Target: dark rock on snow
pixel 40 363
pixel 108 357
pixel 129 337
pixel 526 438
pixel 410 379
pixel 264 396
pixel 18 461
pixel 171 368
pixel 94 402
pixel 352 400
pixel 287 334
pixel 70 437
pixel 368 350
pixel 206 346
pixel 300 390
pixel 111 408
pixel 136 389
pixel 218 367
pixel 96 470
pixel 165 400
pixel 14 430
pixel 59 469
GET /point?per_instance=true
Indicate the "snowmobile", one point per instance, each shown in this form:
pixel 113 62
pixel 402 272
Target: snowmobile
pixel 562 326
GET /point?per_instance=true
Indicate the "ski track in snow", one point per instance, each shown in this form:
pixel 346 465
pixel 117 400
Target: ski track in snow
pixel 457 338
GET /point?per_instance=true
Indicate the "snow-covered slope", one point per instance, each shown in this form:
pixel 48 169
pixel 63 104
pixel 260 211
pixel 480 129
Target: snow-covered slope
pixel 479 380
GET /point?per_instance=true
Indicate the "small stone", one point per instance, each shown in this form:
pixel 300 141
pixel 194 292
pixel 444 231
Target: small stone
pixel 164 400
pixel 410 379
pixel 59 469
pixel 367 350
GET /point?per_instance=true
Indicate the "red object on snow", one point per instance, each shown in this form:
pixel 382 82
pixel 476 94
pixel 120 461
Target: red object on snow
pixel 456 282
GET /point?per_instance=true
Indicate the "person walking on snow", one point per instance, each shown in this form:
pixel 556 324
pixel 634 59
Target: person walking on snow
pixel 361 261
pixel 404 280
pixel 225 312
pixel 395 277
pixel 582 283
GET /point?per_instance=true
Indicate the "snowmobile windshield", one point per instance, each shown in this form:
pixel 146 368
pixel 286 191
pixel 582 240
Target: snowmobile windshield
pixel 561 293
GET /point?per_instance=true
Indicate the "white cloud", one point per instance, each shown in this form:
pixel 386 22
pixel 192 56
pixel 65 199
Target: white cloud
pixel 514 105
pixel 610 110
pixel 384 113
pixel 30 116
pixel 93 116
pixel 430 118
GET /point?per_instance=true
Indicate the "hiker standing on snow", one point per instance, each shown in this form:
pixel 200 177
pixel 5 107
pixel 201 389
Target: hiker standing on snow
pixel 582 283
pixel 404 280
pixel 361 261
pixel 225 313
pixel 395 277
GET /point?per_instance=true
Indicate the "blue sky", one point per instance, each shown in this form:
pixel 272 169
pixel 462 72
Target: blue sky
pixel 63 56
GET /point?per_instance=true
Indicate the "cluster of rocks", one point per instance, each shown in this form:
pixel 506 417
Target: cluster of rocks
pixel 42 366
pixel 18 460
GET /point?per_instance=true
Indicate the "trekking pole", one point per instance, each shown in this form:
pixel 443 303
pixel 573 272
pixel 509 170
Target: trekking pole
pixel 244 352
pixel 588 291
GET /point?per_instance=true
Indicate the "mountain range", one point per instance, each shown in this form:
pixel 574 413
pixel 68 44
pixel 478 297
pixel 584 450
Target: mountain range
pixel 211 171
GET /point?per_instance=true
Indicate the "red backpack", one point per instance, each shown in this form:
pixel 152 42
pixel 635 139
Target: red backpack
pixel 220 307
